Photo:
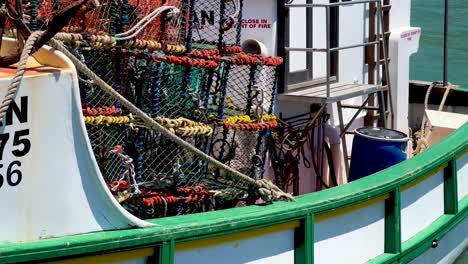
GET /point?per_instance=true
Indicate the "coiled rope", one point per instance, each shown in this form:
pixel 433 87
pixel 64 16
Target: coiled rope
pixel 267 190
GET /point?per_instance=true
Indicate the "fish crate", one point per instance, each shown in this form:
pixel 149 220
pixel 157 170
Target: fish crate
pixel 215 24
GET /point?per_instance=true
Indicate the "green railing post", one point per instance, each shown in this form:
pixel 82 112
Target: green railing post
pixel 451 188
pixel 304 241
pixel 166 252
pixel 393 222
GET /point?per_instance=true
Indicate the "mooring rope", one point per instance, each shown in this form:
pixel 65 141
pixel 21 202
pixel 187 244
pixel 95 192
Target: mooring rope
pixel 423 141
pixel 16 81
pixel 267 190
pixel 135 30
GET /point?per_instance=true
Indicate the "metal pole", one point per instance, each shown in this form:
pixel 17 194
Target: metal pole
pixel 379 9
pixel 445 42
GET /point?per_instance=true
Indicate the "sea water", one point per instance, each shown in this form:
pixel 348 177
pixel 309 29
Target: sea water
pixel 427 64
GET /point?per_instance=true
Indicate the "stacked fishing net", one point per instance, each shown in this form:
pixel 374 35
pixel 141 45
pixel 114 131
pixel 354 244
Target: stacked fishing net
pixel 130 24
pixel 184 69
pixel 215 24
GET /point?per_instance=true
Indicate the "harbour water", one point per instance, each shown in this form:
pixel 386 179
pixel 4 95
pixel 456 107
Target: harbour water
pixel 427 64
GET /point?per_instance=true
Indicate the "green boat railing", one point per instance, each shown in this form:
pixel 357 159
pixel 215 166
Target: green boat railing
pixel 161 241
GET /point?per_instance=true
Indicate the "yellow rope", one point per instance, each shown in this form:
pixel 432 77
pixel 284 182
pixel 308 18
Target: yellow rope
pixel 245 119
pixel 110 120
pixel 185 127
pixel 106 41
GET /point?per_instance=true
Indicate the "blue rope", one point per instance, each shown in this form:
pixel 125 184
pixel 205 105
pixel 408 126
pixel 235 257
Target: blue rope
pixel 250 87
pixel 221 107
pixel 239 24
pixel 257 152
pixel 114 17
pixel 274 94
pixel 156 102
pixel 33 7
pixel 207 86
pixel 140 159
pixel 191 26
pixel 117 72
pixel 124 15
pixel 223 87
pixel 222 12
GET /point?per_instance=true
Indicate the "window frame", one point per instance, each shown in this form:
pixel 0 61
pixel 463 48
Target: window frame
pixel 305 78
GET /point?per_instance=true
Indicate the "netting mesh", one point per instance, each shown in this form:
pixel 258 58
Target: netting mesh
pixel 194 102
pixel 97 26
pixel 250 89
pixel 221 106
pixel 216 24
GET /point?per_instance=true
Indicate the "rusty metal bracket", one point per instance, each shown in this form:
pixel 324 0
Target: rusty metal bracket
pixel 57 23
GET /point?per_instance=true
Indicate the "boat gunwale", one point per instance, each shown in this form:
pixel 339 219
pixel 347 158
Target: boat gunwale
pixel 171 230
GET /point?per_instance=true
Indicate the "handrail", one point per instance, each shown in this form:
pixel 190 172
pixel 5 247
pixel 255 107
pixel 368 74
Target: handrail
pixel 197 226
pixel 332 4
pixel 332 49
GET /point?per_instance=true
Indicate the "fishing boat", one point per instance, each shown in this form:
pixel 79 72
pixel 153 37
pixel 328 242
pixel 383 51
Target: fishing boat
pixel 225 131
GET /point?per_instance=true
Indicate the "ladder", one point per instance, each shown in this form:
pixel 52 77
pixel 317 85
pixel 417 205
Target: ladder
pixel 334 91
pixel 370 57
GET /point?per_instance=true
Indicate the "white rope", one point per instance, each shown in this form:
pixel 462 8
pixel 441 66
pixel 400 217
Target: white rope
pixel 423 141
pixel 16 81
pixel 135 30
pixel 266 189
pixel 233 17
pixel 129 173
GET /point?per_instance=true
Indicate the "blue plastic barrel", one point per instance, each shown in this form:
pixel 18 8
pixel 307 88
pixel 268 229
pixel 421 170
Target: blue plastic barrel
pixel 375 149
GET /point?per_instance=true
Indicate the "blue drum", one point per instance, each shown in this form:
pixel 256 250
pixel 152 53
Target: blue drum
pixel 375 149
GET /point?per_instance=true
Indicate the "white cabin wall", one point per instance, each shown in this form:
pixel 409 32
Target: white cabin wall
pixel 400 13
pixel 318 35
pixel 353 29
pixel 351 68
pixel 298 37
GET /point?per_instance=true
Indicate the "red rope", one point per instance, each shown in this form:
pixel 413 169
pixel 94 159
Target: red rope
pixel 252 127
pixel 244 59
pixel 190 62
pixel 102 111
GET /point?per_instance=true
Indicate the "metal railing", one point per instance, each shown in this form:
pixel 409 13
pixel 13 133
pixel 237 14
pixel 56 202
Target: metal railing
pixel 328 49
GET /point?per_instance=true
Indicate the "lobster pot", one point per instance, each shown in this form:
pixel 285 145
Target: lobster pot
pixel 182 90
pixel 96 20
pixel 103 63
pixel 146 164
pixel 164 32
pixel 249 88
pixel 242 150
pixel 216 24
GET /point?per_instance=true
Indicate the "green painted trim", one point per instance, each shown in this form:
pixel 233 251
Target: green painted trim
pixel 193 227
pixel 303 240
pixel 310 234
pixel 422 241
pixel 451 188
pixel 166 252
pixel 393 222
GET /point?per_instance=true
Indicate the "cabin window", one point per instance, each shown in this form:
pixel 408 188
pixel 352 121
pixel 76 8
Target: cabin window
pixel 305 28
